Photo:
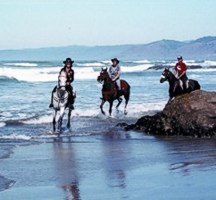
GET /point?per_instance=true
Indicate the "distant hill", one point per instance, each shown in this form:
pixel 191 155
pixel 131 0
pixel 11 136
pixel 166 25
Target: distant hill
pixel 202 49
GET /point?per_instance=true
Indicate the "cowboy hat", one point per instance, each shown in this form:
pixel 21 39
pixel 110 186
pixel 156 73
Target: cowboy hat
pixel 68 60
pixel 179 58
pixel 115 59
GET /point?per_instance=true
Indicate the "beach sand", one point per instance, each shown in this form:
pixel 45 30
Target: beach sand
pixel 111 165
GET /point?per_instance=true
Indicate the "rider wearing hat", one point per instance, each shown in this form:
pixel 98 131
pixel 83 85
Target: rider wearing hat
pixel 180 71
pixel 115 72
pixel 67 69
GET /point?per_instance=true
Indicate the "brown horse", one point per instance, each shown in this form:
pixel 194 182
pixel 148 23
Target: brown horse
pixel 110 92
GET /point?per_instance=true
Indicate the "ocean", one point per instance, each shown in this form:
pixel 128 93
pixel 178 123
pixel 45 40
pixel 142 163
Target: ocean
pixel 26 119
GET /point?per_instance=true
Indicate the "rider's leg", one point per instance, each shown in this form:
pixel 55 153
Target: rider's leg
pixel 118 83
pixel 181 84
pixel 71 97
pixel 185 82
pixel 51 102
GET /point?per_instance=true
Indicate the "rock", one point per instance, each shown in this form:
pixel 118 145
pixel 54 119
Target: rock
pixel 160 67
pixel 123 124
pixel 192 114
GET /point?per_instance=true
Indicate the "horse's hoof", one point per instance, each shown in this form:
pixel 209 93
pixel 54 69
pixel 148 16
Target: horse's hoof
pixel 125 112
pixel 68 126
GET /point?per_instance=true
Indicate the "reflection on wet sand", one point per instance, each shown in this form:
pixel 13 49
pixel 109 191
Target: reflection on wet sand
pixel 116 153
pixel 184 154
pixel 66 168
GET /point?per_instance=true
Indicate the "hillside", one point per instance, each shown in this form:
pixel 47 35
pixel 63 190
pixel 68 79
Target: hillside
pixel 202 49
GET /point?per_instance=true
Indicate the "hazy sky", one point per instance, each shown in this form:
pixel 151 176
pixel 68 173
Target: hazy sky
pixel 45 23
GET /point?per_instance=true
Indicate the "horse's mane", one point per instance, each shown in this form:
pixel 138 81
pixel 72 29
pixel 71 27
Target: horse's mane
pixel 62 79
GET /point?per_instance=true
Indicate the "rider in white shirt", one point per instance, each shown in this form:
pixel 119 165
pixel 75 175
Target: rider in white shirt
pixel 115 72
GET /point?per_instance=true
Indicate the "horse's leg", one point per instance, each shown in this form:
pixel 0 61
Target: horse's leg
pixel 69 116
pixel 119 102
pixel 61 114
pixel 127 97
pixel 101 106
pixel 54 121
pixel 110 108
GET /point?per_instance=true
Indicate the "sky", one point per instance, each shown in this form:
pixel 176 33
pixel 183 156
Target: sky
pixel 49 23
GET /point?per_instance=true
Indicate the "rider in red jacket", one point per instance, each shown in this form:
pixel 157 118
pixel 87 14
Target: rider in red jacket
pixel 180 70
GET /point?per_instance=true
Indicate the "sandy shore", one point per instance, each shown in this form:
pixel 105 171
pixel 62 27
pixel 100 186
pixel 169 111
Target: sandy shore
pixel 116 165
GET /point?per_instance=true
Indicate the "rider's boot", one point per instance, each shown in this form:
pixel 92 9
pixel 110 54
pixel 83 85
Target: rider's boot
pixel 71 102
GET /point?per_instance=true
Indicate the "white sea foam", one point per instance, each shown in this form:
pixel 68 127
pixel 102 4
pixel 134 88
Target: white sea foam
pixel 91 71
pixel 142 61
pixel 30 75
pixel 51 73
pixel 39 120
pixel 209 63
pixel 2 124
pixel 137 68
pixel 134 109
pixel 95 64
pixel 106 61
pixel 15 137
pixel 22 64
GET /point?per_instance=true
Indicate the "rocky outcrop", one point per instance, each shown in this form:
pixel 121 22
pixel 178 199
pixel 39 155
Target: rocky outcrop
pixel 192 114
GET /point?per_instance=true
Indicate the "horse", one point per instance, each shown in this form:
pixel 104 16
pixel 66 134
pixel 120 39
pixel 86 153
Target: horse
pixel 60 102
pixel 110 92
pixel 175 85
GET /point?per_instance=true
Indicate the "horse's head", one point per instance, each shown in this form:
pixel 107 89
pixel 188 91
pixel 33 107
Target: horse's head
pixel 103 75
pixel 165 75
pixel 62 80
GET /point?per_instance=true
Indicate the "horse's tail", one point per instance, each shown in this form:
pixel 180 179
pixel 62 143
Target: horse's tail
pixel 127 90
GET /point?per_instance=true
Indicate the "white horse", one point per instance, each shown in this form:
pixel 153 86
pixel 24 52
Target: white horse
pixel 60 103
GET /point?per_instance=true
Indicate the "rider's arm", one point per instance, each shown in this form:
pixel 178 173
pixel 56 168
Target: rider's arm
pixel 72 76
pixel 118 75
pixel 182 74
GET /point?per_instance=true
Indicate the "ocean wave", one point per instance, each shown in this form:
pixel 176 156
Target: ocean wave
pixel 51 73
pixel 88 71
pixel 38 120
pixel 209 63
pixel 15 137
pixel 95 64
pixel 5 79
pixel 142 61
pixel 106 61
pixel 21 64
pixel 137 68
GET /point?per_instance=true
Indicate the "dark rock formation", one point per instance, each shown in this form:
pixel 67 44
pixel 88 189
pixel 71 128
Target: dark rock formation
pixel 160 67
pixel 192 114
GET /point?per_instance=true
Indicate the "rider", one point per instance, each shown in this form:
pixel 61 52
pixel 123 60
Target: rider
pixel 115 72
pixel 67 69
pixel 180 72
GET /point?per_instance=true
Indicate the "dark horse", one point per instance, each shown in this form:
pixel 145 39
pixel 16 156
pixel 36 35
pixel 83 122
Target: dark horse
pixel 60 102
pixel 110 92
pixel 175 87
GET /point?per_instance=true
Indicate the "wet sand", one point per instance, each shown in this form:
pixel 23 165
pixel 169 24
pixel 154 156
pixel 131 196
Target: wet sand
pixel 113 165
